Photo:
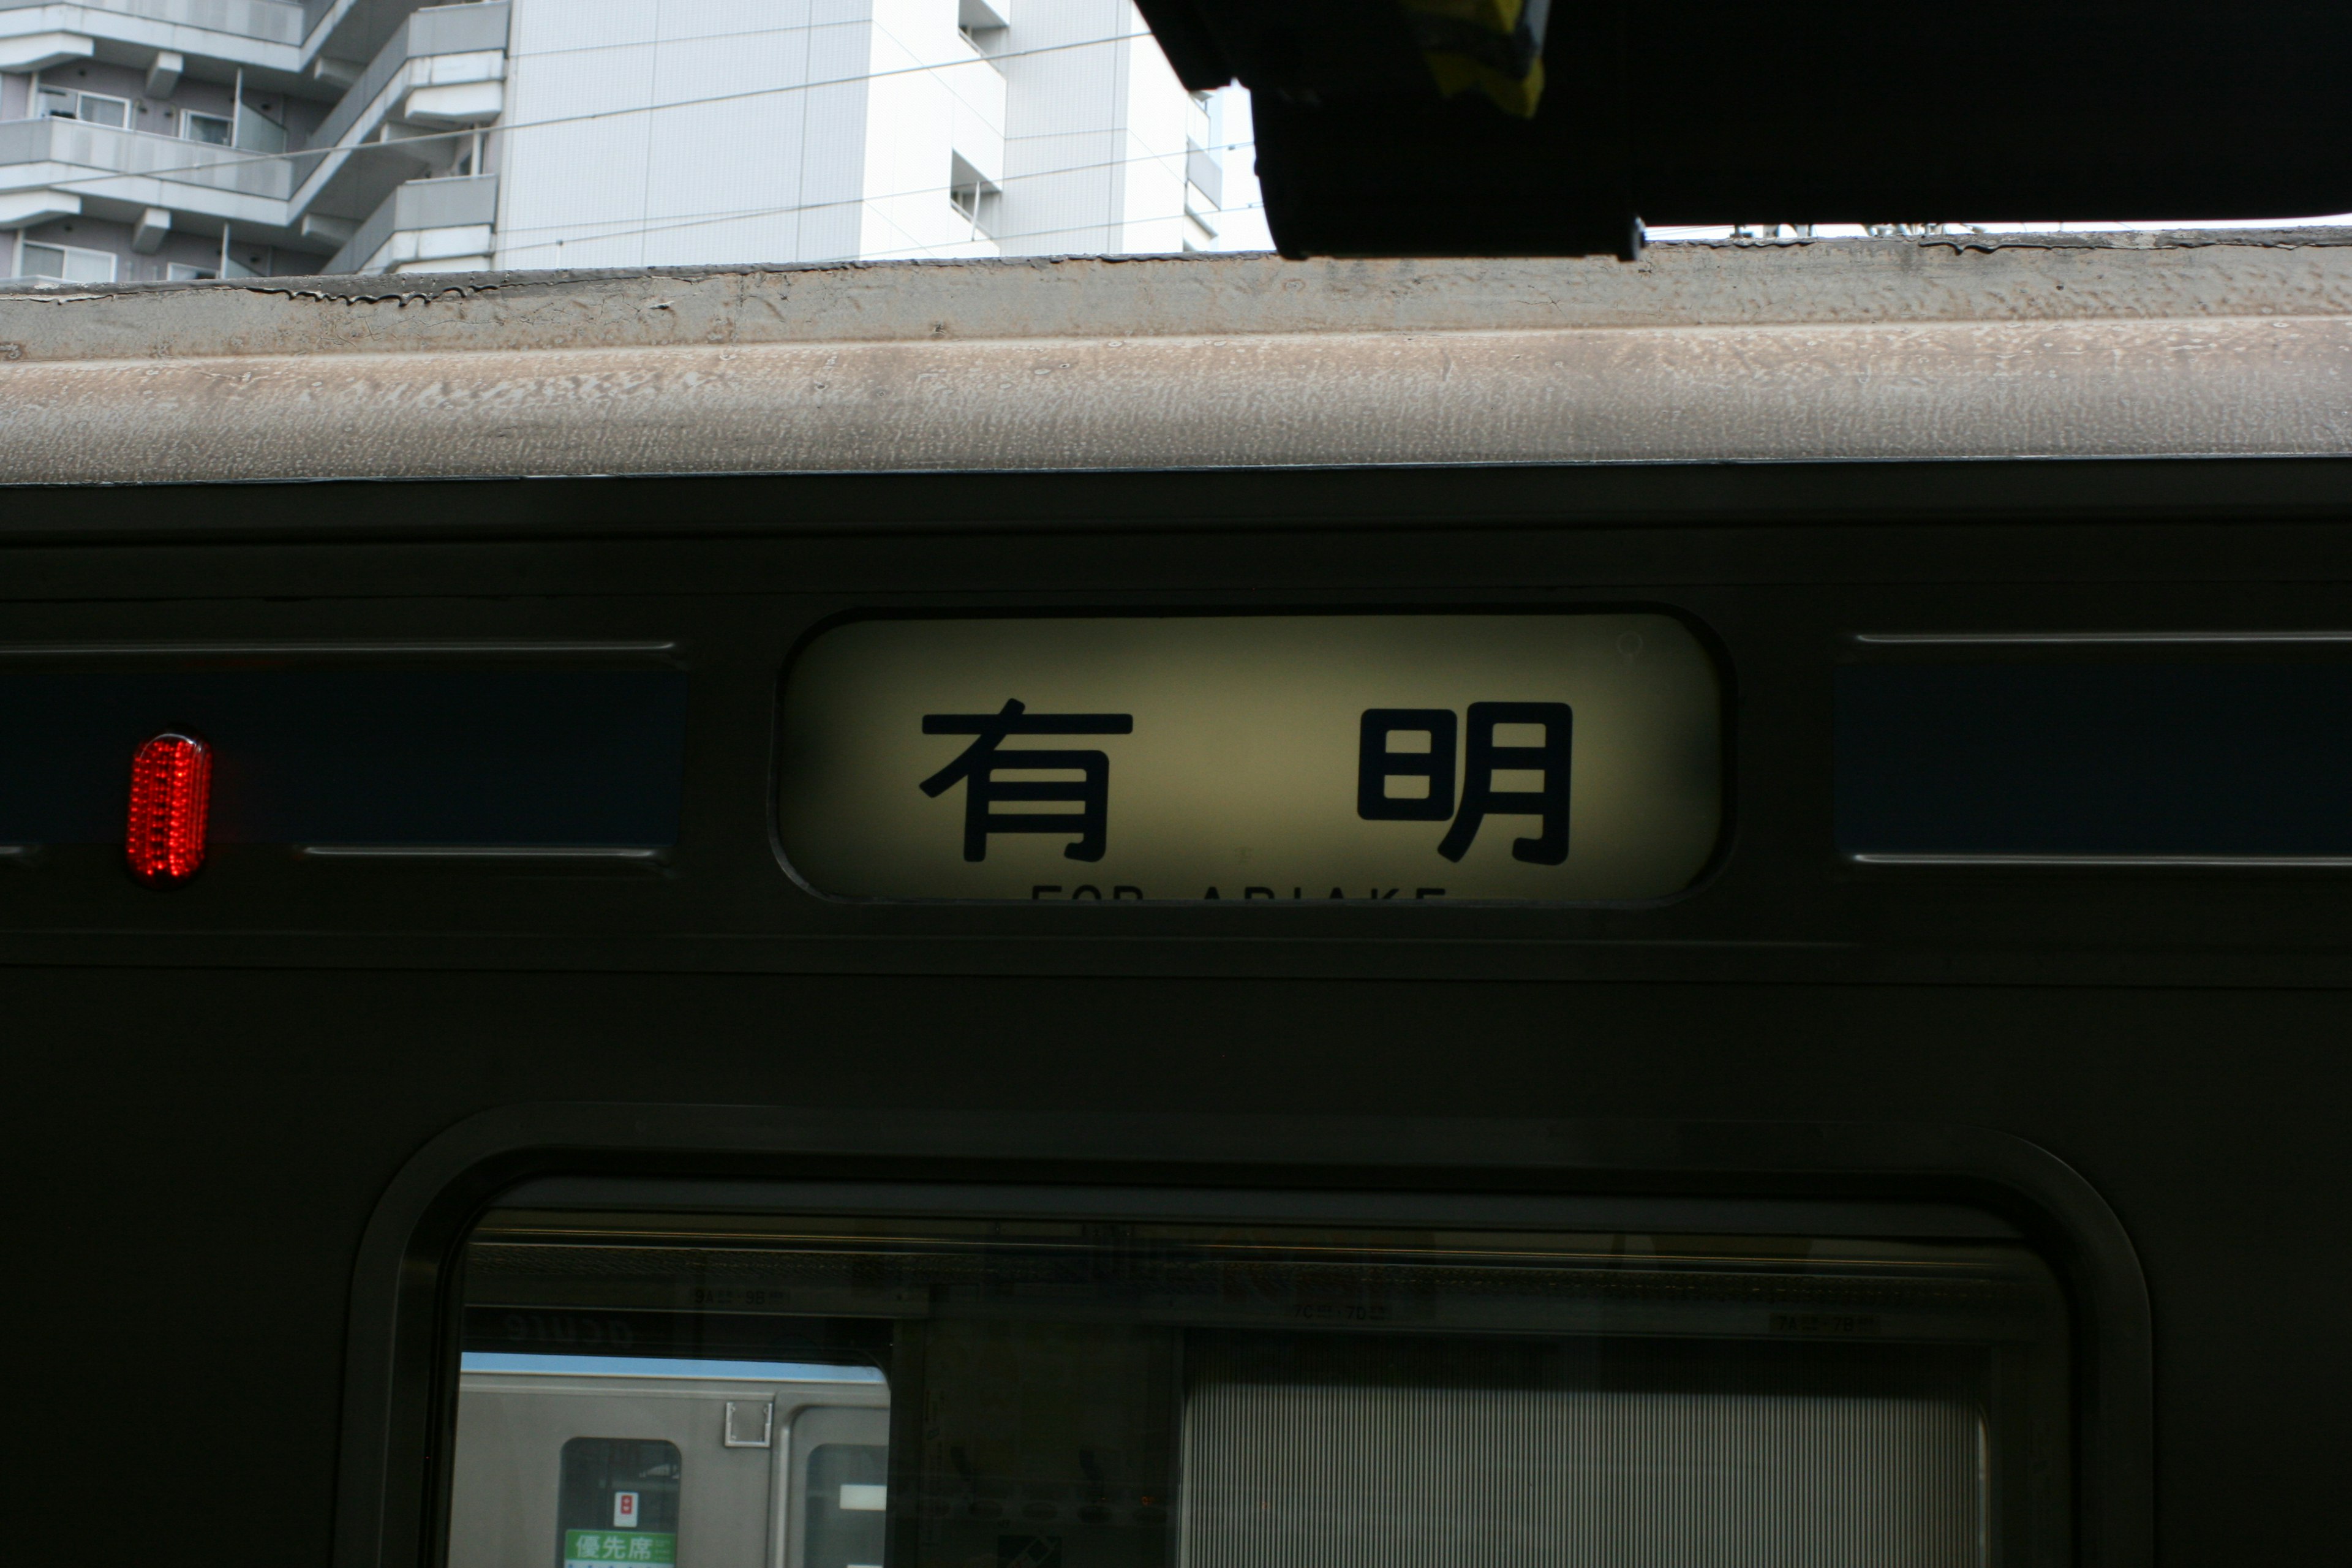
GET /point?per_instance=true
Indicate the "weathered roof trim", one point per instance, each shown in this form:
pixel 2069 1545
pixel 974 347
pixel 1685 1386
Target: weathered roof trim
pixel 2229 345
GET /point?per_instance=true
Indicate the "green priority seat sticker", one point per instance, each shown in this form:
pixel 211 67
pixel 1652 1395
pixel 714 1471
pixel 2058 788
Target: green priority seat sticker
pixel 592 1548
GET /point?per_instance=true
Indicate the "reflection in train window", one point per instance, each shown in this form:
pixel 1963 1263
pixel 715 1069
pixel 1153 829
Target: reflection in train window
pixel 848 1488
pixel 1396 1449
pixel 617 1501
pixel 535 1467
pixel 1015 1393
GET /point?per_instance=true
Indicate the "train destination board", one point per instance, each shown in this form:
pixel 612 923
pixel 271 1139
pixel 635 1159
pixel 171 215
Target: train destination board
pixel 1403 757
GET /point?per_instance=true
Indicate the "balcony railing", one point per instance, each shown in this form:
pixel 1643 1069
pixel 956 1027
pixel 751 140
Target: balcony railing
pixel 1203 171
pixel 267 20
pixel 439 30
pixel 82 145
pixel 467 200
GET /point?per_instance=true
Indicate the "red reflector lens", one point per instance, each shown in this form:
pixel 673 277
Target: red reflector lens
pixel 170 788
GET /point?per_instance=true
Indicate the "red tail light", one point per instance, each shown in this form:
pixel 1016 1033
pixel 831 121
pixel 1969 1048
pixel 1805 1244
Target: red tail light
pixel 170 789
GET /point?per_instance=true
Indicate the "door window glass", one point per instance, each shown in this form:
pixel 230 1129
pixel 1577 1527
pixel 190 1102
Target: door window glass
pixel 848 1496
pixel 618 1501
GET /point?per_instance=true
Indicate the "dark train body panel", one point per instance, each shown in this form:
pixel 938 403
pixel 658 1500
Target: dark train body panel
pixel 256 1115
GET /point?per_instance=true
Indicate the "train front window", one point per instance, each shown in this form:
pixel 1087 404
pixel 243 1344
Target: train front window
pixel 1021 1390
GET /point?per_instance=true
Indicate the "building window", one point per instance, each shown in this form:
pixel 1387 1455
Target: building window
pixel 980 25
pixel 96 108
pixel 65 263
pixel 212 129
pixel 975 200
pixel 180 272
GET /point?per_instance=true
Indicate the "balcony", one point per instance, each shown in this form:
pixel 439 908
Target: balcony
pixel 439 47
pixel 260 32
pixel 425 226
pixel 1204 173
pixel 49 167
pixel 443 66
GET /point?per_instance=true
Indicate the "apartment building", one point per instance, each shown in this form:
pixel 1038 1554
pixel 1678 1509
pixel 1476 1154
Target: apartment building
pixel 149 140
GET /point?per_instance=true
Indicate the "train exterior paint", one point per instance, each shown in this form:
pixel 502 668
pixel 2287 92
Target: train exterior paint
pixel 736 1455
pixel 1936 1129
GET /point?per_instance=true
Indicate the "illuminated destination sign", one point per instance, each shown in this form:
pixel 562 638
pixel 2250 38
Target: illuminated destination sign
pixel 1254 757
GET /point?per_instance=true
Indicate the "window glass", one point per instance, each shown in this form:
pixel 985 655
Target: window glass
pixel 618 1501
pixel 97 107
pixel 70 262
pixel 1038 1393
pixel 847 1494
pixel 1394 1449
pixel 701 1429
pixel 208 128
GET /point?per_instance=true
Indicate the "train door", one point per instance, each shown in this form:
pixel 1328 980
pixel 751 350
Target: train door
pixel 839 1462
pixel 582 1469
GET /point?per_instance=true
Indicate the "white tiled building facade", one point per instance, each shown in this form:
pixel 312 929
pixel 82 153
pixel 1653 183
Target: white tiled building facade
pixel 155 139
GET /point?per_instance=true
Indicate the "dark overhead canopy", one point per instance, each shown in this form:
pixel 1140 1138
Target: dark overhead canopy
pixel 1716 112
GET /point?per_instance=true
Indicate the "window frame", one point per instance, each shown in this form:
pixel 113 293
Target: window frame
pixel 975 200
pixel 984 29
pixel 399 1404
pixel 114 262
pixel 79 95
pixel 227 123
